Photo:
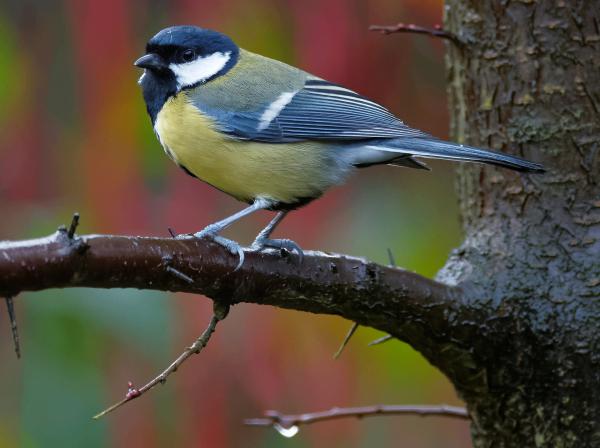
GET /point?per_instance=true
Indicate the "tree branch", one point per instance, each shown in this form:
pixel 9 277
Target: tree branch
pixel 436 31
pixel 287 424
pixel 220 312
pixel 412 308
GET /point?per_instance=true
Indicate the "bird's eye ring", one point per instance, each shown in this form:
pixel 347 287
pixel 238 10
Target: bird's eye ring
pixel 188 55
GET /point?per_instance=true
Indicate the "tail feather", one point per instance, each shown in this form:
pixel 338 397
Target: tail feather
pixel 440 149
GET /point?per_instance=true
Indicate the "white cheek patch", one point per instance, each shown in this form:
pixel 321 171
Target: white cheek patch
pixel 199 70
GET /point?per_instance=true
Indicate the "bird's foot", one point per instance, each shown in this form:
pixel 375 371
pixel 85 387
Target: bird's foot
pixel 211 232
pixel 289 245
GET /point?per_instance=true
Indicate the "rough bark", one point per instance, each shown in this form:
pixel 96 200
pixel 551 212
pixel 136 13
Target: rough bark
pixel 529 83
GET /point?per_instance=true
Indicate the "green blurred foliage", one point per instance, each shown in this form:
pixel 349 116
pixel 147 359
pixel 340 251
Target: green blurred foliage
pixel 74 135
pixel 13 78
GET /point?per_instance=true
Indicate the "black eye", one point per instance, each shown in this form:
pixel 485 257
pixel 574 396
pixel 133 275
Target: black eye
pixel 188 55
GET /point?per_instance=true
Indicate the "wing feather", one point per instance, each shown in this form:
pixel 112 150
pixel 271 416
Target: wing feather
pixel 319 111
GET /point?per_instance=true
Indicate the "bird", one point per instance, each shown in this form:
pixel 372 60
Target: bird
pixel 272 135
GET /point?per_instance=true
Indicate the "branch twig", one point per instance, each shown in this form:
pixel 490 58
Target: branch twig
pixel 220 312
pixel 436 31
pixel 273 418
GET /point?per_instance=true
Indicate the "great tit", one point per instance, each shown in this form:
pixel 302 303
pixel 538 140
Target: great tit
pixel 270 134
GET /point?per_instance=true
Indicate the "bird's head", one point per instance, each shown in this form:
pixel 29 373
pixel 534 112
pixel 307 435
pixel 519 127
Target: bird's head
pixel 187 56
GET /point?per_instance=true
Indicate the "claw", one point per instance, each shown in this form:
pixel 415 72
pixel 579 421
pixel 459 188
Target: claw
pixel 286 244
pixel 233 247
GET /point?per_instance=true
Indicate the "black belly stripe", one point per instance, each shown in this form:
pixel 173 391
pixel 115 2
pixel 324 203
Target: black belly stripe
pixel 297 203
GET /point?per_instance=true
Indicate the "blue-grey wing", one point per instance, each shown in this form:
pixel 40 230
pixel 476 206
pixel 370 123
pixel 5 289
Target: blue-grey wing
pixel 319 111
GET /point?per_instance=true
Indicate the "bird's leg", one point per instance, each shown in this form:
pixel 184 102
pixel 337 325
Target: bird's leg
pixel 263 241
pixel 212 231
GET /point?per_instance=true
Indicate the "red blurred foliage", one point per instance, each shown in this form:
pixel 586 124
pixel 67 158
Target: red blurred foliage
pixel 113 180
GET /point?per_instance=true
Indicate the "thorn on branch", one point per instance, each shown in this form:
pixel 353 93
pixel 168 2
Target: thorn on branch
pixel 350 333
pixel 180 275
pixel 391 258
pixel 387 337
pixel 168 261
pixel 355 325
pixel 13 324
pixel 290 423
pixel 220 311
pixel 381 340
pixel 436 31
pixel 73 226
pixel 78 244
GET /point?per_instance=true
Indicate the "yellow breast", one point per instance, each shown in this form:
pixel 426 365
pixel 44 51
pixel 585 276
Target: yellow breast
pixel 284 173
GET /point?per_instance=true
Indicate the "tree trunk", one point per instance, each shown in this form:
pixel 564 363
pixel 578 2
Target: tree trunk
pixel 528 82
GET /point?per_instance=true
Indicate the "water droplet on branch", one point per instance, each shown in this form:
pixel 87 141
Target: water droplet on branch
pixel 286 432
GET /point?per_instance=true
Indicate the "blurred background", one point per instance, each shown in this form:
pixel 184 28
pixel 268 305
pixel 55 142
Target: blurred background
pixel 74 136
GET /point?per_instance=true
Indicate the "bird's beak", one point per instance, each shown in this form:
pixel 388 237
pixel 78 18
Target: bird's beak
pixel 151 61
